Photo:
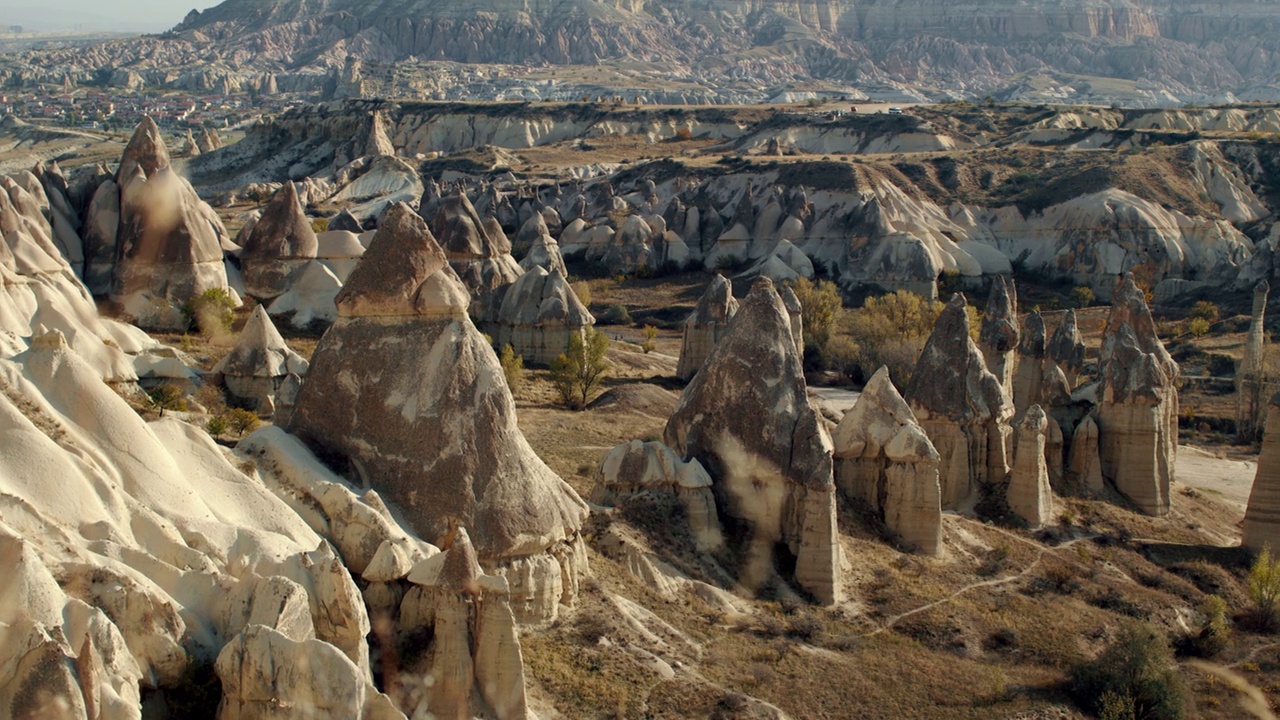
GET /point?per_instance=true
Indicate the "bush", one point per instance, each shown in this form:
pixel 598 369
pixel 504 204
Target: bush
pixel 1214 635
pixel 578 372
pixel 319 225
pixel 168 397
pixel 1197 327
pixel 512 367
pixel 820 305
pixel 1264 590
pixel 891 330
pixel 582 289
pixel 1082 297
pixel 615 315
pixel 650 334
pixel 1206 311
pixel 217 425
pixel 841 355
pixel 1135 677
pixel 242 421
pixel 212 312
pixel 684 133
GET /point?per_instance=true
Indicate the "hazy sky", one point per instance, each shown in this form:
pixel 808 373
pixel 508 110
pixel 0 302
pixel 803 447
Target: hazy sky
pixel 140 15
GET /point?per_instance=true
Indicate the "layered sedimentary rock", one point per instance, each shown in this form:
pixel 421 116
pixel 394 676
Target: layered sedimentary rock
pixel 650 467
pixel 281 242
pixel 746 418
pixel 1030 496
pixel 1137 403
pixel 1251 382
pixel 429 422
pixel 1262 517
pixel 884 459
pixel 962 407
pixel 473 664
pixel 539 313
pixel 1028 380
pixel 257 365
pixel 706 326
pixel 1066 348
pixel 167 247
pixel 478 252
pixel 998 334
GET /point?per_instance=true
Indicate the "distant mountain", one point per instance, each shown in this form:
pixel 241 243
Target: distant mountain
pixel 1097 50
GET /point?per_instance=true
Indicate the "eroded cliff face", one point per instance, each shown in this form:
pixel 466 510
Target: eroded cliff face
pixel 1167 52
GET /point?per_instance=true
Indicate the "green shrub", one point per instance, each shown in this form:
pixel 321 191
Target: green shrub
pixel 650 334
pixel 1205 310
pixel 582 289
pixel 1264 590
pixel 319 225
pixel 1197 327
pixel 615 315
pixel 242 421
pixel 212 312
pixel 217 425
pixel 168 397
pixel 891 330
pixel 1135 677
pixel 576 373
pixel 512 367
pixel 1082 297
pixel 820 305
pixel 1214 635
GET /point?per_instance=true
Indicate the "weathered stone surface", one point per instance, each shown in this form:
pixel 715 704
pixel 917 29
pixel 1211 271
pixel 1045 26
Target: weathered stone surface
pixel 1029 378
pixel 706 326
pixel 1030 496
pixel 431 424
pixel 538 315
pixel 258 363
pixel 169 245
pixel 1066 348
pixel 885 460
pixel 641 467
pixel 1251 382
pixel 1138 403
pixel 1262 517
pixel 746 417
pixel 998 334
pixel 281 241
pixel 544 251
pixel 344 220
pixel 962 407
pixel 795 312
pixel 479 253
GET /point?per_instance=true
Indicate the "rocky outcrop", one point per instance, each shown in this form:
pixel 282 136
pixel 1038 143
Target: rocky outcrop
pixel 281 242
pixel 539 313
pixel 1137 403
pixel 884 459
pixel 167 247
pixel 795 313
pixel 962 407
pixel 1262 516
pixel 1028 382
pixel 998 333
pixel 1251 380
pixel 1066 348
pixel 1084 464
pixel 544 251
pixel 1030 496
pixel 746 418
pixel 431 424
pixel 478 252
pixel 706 326
pixel 650 467
pixel 257 365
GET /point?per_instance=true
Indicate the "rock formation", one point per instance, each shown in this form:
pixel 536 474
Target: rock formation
pixel 257 365
pixel 281 241
pixel 340 251
pixel 746 418
pixel 704 328
pixel 651 467
pixel 428 420
pixel 1262 517
pixel 795 313
pixel 1066 348
pixel 884 459
pixel 1137 403
pixel 344 220
pixel 167 246
pixel 539 313
pixel 1030 496
pixel 1084 464
pixel 962 407
pixel 479 253
pixel 1028 380
pixel 998 334
pixel 544 251
pixel 1251 381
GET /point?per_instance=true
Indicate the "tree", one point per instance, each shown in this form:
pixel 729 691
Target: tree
pixel 650 334
pixel 168 397
pixel 1264 589
pixel 512 367
pixel 820 305
pixel 212 311
pixel 1135 677
pixel 1082 296
pixel 1206 310
pixel 578 372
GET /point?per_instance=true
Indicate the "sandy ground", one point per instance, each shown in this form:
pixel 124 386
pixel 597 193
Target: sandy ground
pixel 1231 480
